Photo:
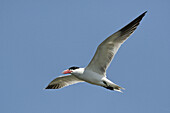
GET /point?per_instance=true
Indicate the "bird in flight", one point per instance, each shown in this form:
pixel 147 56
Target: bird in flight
pixel 95 72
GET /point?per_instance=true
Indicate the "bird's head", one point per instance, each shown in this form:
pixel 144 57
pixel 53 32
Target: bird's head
pixel 74 70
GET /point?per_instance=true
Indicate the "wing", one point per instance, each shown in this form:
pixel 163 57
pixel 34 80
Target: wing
pixel 108 48
pixel 63 81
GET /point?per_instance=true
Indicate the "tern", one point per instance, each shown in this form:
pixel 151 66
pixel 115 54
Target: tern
pixel 95 72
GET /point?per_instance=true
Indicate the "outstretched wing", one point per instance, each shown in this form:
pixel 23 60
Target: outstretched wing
pixel 108 48
pixel 63 81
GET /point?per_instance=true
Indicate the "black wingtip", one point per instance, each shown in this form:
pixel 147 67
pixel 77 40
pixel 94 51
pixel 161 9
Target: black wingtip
pixel 144 13
pixel 141 16
pixel 134 23
pixel 49 87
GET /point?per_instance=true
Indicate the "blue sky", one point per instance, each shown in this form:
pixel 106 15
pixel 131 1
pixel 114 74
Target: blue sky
pixel 41 38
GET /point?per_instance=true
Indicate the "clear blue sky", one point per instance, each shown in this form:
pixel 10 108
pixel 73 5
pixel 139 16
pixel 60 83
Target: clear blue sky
pixel 41 38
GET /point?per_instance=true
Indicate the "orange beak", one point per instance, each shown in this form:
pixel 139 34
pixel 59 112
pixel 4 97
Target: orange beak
pixel 66 71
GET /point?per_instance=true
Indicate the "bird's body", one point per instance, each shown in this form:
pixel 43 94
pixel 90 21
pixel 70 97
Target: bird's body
pixel 95 78
pixel 91 77
pixel 95 72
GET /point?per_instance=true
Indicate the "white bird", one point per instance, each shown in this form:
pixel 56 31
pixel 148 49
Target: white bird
pixel 95 72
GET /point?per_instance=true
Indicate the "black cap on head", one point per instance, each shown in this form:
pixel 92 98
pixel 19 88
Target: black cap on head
pixel 73 68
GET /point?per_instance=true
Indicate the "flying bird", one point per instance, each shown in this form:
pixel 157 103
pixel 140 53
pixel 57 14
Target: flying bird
pixel 95 72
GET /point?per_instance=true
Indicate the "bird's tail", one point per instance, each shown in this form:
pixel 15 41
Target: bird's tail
pixel 112 86
pixel 118 88
pixel 115 88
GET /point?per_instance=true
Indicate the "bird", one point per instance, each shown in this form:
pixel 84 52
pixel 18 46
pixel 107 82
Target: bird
pixel 95 72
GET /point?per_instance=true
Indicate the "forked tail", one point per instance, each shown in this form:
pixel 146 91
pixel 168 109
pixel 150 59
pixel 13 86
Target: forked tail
pixel 115 88
pixel 112 86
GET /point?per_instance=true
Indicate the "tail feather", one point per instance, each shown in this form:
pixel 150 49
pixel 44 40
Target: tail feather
pixel 115 88
pixel 118 90
pixel 112 86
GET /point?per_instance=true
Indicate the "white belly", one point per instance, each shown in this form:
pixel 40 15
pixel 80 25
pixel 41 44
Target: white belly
pixel 92 77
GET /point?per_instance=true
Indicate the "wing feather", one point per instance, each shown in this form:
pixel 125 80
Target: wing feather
pixel 109 47
pixel 63 81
